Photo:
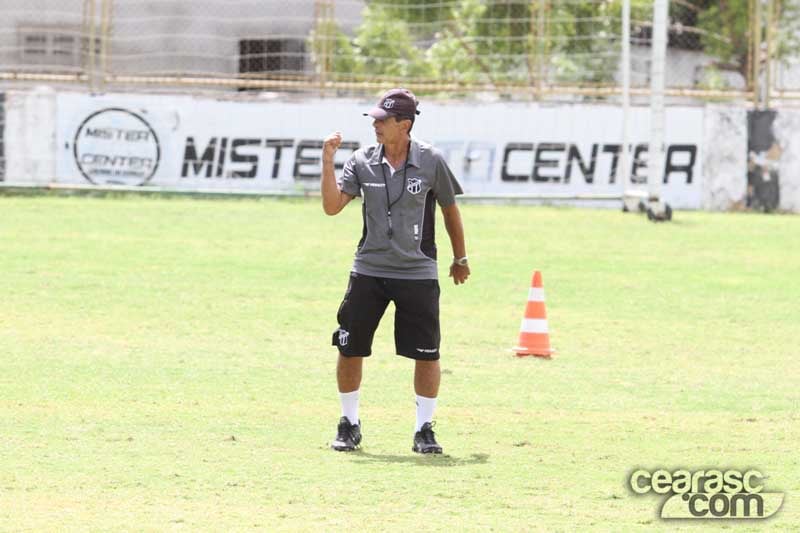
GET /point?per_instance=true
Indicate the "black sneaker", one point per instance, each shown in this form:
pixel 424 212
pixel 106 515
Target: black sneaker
pixel 348 436
pixel 425 440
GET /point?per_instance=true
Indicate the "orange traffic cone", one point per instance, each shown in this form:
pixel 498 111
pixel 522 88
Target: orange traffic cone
pixel 534 338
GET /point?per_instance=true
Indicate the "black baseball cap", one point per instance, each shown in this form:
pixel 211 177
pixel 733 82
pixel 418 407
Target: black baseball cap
pixel 400 103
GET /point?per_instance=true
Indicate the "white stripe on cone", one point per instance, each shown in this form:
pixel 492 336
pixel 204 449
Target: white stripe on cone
pixel 536 294
pixel 534 325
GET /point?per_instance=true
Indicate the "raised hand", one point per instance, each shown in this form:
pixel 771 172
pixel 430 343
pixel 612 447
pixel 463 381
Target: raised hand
pixel 331 144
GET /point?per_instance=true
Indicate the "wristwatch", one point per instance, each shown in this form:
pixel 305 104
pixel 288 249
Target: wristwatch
pixel 461 261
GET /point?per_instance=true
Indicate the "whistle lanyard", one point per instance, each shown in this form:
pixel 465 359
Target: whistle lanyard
pixel 389 203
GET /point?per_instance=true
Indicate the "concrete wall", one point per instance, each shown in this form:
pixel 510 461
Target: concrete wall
pixel 787 133
pixel 30 136
pixel 36 120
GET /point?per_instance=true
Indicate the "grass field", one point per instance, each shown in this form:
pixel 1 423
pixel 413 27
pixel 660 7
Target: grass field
pixel 165 364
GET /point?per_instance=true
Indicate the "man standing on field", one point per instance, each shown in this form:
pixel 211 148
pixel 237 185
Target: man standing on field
pixel 400 180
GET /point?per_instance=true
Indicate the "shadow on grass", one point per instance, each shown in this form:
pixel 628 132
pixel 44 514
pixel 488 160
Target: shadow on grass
pixel 421 460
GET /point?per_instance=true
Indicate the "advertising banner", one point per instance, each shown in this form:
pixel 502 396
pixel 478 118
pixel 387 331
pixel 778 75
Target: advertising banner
pixel 184 142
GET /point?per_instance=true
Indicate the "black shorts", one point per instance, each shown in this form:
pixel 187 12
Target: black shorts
pixel 416 319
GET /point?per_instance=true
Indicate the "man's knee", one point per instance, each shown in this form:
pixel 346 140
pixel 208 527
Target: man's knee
pixel 427 366
pixel 349 365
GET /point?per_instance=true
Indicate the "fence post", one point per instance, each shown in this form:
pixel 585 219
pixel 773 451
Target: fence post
pixel 86 30
pixel 106 9
pixel 772 48
pixel 541 48
pixel 324 42
pixel 756 54
pixel 768 56
pixel 626 93
pixel 532 49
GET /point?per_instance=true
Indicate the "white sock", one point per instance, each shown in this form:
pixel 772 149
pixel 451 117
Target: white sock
pixel 425 409
pixel 350 405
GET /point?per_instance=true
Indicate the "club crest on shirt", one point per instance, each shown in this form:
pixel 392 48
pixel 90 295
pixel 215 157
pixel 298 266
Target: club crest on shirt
pixel 414 185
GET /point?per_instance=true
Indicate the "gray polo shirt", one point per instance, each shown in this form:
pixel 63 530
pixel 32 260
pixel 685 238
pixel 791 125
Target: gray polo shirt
pixel 410 252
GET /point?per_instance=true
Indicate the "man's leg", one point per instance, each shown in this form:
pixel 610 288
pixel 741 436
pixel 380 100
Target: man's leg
pixel 348 373
pixel 417 335
pixel 362 308
pixel 427 376
pixel 348 377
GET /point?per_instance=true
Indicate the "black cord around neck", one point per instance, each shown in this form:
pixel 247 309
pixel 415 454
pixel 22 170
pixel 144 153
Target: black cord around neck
pixel 389 203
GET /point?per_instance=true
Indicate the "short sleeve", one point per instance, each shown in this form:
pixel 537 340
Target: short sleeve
pixel 348 183
pixel 445 184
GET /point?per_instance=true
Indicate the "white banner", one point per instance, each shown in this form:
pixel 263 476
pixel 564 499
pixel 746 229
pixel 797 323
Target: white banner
pixel 183 142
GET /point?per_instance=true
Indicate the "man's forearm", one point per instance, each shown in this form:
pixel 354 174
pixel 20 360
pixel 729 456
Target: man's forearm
pixel 328 187
pixel 455 229
pixel 333 199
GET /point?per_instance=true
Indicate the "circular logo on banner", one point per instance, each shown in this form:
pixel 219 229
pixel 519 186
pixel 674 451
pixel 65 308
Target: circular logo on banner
pixel 115 146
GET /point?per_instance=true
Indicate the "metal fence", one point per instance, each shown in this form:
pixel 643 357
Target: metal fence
pixel 544 49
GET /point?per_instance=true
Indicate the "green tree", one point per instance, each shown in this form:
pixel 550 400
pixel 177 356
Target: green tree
pixel 726 34
pixel 332 52
pixel 384 46
pixel 418 12
pixel 453 56
pixel 549 41
pixel 513 41
pixel 727 28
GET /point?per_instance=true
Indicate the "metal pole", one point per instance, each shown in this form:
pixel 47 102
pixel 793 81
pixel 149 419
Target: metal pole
pixel 757 54
pixel 105 38
pixel 768 74
pixel 655 165
pixel 626 92
pixel 92 51
pixel 324 31
pixel 750 34
pixel 542 57
pixel 84 54
pixel 532 49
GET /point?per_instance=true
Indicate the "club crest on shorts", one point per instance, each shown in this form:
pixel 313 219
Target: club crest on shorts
pixel 344 336
pixel 414 185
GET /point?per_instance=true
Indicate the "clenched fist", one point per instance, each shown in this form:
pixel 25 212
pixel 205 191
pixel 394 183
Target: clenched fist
pixel 331 144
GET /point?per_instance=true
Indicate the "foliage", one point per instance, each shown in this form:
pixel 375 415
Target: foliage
pixel 384 46
pixel 788 31
pixel 712 79
pixel 332 51
pixel 417 12
pixel 510 41
pixel 583 42
pixel 727 28
pixel 514 41
pixel 452 56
